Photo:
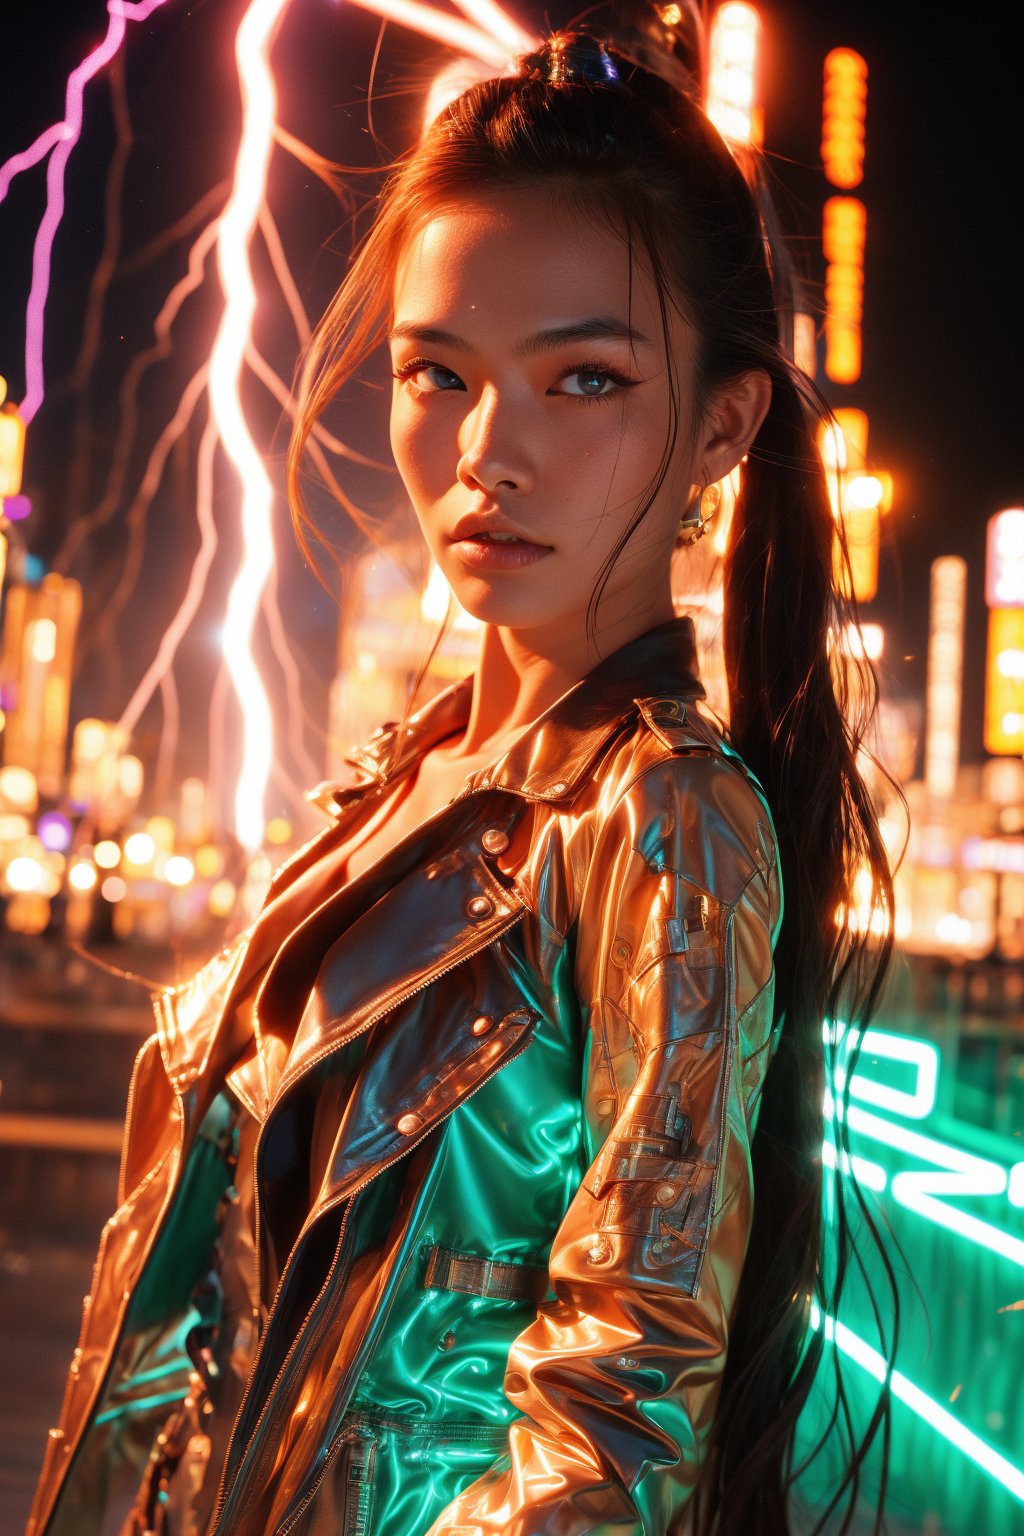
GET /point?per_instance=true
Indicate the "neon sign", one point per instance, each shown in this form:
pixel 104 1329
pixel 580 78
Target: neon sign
pixel 882 1099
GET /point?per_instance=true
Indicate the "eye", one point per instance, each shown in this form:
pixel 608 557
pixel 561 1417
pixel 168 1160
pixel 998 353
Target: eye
pixel 594 379
pixel 422 366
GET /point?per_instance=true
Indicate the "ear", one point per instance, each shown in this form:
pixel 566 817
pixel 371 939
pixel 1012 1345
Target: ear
pixel 734 420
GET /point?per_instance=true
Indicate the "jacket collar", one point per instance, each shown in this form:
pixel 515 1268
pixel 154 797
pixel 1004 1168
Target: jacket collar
pixel 549 762
pixel 552 759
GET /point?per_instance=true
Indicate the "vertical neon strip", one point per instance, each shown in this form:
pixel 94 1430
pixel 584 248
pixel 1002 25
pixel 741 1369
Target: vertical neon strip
pixel 237 224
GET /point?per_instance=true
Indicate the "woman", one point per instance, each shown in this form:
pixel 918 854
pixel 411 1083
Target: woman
pixel 442 1206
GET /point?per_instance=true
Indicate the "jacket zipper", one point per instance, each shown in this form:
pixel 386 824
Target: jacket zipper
pixel 290 1516
pixel 224 1490
pixel 71 1451
pixel 322 1055
pixel 360 1472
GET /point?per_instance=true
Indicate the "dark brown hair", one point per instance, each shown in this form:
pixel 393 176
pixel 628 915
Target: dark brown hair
pixel 642 157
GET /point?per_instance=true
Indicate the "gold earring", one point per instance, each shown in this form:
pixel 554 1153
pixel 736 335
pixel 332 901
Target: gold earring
pixel 693 524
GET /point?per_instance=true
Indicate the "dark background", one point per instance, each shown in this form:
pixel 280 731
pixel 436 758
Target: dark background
pixel 942 322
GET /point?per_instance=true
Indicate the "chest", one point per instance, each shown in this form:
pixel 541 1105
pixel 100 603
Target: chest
pixel 411 802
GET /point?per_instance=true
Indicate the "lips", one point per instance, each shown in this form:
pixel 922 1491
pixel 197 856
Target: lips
pixel 491 530
pixel 493 548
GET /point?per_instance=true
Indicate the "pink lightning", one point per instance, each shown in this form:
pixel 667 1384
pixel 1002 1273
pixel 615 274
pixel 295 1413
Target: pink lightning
pixel 488 34
pixel 61 140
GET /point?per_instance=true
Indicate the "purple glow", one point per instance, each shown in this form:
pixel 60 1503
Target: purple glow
pixel 16 508
pixel 62 138
pixel 54 831
pixel 29 157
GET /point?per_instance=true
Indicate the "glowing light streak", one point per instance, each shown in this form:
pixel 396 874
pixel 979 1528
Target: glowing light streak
pixel 275 250
pixel 135 520
pixel 293 793
pixel 962 1173
pixel 922 1192
pixel 175 631
pixel 215 198
pixel 460 35
pixel 499 24
pixel 925 1407
pixel 236 226
pixel 128 423
pixel 27 158
pixel 922 1055
pixel 217 739
pixel 82 435
pixel 101 278
pixel 69 133
pixel 168 736
pixel 271 381
pixel 870 1174
pixel 293 682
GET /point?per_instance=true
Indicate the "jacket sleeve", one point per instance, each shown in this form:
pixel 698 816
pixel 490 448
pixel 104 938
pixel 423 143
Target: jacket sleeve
pixel 618 1378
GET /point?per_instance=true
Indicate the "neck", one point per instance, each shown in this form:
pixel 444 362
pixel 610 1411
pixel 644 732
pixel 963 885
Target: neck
pixel 519 676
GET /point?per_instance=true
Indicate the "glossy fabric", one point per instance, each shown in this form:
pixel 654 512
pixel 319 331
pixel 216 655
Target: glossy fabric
pixel 529 1042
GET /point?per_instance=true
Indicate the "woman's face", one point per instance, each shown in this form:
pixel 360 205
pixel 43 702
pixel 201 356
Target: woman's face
pixel 530 412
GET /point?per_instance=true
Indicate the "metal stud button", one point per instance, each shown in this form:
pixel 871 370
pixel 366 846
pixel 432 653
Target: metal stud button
pixel 410 1124
pixel 557 789
pixel 598 1252
pixel 666 1194
pixel 482 1024
pixel 494 840
pixel 480 907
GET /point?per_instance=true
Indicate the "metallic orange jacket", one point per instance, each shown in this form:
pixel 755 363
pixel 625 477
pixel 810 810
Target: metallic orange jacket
pixel 503 1088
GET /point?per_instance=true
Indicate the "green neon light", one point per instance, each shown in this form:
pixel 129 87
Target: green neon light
pixel 869 1174
pixel 983 1455
pixel 139 1405
pixel 917 1192
pixel 1015 1185
pixel 922 1055
pixel 958 1173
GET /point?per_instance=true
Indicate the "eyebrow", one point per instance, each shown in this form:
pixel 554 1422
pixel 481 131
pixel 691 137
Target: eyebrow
pixel 595 328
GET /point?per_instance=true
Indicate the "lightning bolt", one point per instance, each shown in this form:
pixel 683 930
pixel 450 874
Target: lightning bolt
pixel 58 141
pixel 489 36
pixel 236 226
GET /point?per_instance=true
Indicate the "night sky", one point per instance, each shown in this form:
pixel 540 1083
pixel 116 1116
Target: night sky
pixel 942 333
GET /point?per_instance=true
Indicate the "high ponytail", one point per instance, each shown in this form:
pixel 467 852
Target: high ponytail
pixel 641 156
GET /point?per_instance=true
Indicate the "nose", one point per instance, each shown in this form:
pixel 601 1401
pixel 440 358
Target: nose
pixel 492 453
